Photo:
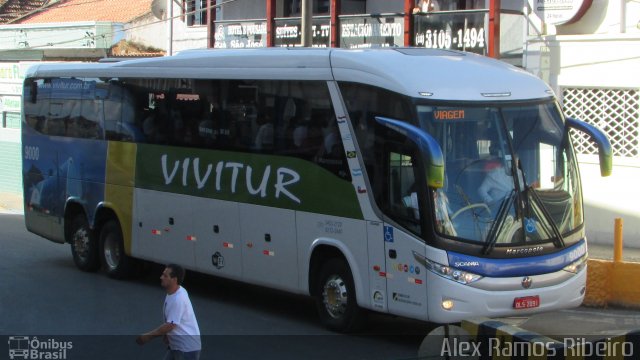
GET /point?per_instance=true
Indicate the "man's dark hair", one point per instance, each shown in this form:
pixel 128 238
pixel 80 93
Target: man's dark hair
pixel 176 271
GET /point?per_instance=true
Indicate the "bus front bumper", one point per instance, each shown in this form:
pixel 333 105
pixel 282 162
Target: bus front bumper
pixel 469 302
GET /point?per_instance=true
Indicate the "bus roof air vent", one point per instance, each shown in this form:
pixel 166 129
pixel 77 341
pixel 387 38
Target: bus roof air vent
pixel 428 52
pixel 499 94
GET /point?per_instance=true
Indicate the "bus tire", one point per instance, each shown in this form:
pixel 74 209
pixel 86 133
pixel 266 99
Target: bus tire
pixel 116 263
pixel 335 297
pixel 84 246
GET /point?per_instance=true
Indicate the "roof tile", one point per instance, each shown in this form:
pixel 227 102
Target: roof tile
pixel 91 10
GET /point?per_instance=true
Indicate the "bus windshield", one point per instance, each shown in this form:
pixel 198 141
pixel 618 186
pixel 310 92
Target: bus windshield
pixel 510 174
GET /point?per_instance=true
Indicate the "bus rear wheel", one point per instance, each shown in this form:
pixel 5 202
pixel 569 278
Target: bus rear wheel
pixel 335 297
pixel 116 263
pixel 84 247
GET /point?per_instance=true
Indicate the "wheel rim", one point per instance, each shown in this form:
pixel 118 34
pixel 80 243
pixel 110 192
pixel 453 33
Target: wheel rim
pixel 335 296
pixel 81 243
pixel 111 252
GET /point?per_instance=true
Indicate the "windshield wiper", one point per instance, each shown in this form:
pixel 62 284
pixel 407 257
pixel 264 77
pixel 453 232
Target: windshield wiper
pixel 546 216
pixel 559 240
pixel 497 226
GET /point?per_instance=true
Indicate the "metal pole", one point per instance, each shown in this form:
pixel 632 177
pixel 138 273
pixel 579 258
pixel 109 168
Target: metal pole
pixel 335 32
pixel 271 13
pixel 617 240
pixel 210 28
pixel 623 16
pixel 494 29
pixel 306 23
pixel 170 28
pixel 409 19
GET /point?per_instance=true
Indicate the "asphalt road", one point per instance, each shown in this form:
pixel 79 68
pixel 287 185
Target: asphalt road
pixel 43 296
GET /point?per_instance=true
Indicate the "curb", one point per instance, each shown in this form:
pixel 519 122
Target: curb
pixel 608 284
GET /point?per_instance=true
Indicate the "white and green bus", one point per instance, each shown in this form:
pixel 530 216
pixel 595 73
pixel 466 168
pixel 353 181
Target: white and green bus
pixel 430 184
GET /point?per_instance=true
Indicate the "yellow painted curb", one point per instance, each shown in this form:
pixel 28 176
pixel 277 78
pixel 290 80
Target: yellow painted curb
pixel 624 287
pixel 611 283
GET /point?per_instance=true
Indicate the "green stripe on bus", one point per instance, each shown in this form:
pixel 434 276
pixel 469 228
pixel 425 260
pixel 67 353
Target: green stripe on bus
pixel 267 180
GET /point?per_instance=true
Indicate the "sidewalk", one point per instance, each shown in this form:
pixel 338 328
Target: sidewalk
pixel 11 203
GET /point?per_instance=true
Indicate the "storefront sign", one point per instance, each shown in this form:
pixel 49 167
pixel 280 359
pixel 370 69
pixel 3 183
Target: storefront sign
pixel 366 32
pixel 463 31
pixel 289 33
pixel 558 12
pixel 241 34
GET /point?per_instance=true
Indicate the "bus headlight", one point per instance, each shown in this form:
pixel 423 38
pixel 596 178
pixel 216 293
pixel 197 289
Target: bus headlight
pixel 447 304
pixel 576 266
pixel 459 276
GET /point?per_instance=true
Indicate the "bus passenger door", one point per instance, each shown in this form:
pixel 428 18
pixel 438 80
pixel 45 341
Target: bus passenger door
pixel 269 251
pixel 165 225
pixel 406 277
pixel 217 230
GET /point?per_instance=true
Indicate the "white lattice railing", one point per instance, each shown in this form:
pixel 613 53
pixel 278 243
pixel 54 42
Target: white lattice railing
pixel 615 111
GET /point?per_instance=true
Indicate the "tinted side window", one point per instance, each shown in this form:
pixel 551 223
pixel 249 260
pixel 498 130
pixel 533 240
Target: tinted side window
pixel 64 107
pixel 364 103
pixel 35 104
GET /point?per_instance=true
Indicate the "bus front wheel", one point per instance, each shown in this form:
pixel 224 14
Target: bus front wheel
pixel 84 247
pixel 335 297
pixel 114 259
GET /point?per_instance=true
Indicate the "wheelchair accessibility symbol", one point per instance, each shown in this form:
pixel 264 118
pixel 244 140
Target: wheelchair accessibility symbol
pixel 388 234
pixel 530 225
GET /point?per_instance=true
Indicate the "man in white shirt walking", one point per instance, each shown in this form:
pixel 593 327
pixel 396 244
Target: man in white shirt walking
pixel 180 328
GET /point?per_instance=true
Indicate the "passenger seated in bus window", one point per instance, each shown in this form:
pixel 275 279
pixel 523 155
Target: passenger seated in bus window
pixel 411 202
pixel 496 184
pixel 310 137
pixel 295 133
pixel 331 154
pixel 264 136
pixel 332 139
pixel 154 127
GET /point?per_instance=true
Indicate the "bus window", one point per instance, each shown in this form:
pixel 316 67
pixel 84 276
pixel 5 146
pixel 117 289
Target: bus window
pixel 37 108
pixel 402 193
pixel 120 122
pixel 364 103
pixel 58 115
pixel 87 124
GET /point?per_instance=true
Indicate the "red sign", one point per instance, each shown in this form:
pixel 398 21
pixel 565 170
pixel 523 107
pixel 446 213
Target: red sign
pixel 449 114
pixel 526 302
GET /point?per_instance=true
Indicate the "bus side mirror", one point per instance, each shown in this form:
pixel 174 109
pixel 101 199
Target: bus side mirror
pixel 605 152
pixel 430 150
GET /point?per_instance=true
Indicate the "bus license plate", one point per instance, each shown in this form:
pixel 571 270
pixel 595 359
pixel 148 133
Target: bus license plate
pixel 526 302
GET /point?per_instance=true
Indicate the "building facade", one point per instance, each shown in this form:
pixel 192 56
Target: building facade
pixel 34 31
pixel 590 61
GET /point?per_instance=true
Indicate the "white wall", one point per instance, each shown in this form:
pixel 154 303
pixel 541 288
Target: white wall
pixel 596 52
pixel 606 17
pixel 184 37
pixel 608 198
pixel 148 30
